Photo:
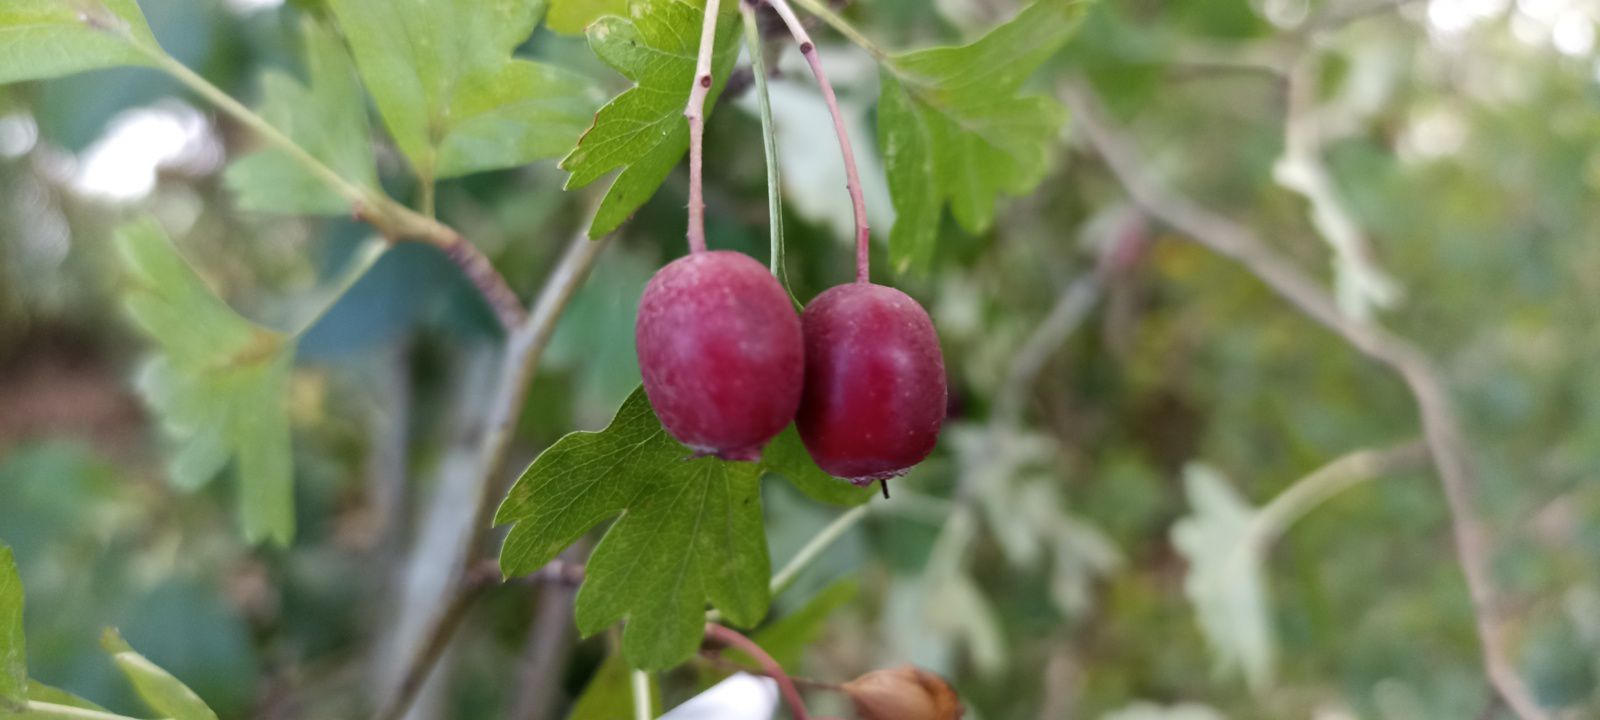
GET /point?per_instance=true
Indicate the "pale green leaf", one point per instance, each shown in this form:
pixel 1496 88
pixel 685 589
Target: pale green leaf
pixel 609 694
pixel 524 111
pixel 13 647
pixel 164 693
pixel 642 132
pixel 218 382
pixel 326 116
pixel 786 455
pixel 690 533
pixel 442 76
pixel 574 16
pixel 954 130
pixel 42 39
pixel 1225 581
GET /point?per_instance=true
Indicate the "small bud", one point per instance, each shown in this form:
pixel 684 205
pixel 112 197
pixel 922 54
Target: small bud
pixel 904 693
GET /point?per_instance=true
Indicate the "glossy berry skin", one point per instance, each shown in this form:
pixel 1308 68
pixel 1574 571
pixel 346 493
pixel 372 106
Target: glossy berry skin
pixel 875 384
pixel 721 353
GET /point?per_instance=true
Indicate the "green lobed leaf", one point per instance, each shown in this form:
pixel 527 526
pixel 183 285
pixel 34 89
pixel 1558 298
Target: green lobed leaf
pixel 609 694
pixel 13 647
pixel 218 383
pixel 690 533
pixel 642 132
pixel 164 693
pixel 442 76
pixel 1225 581
pixel 42 39
pixel 572 17
pixel 326 116
pixel 786 455
pixel 953 129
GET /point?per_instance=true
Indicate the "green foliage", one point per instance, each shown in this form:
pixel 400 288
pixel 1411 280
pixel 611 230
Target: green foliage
pixel 453 98
pixel 13 647
pixel 642 131
pixel 609 694
pixel 786 455
pixel 326 116
pixel 1225 580
pixel 573 16
pixel 42 39
pixel 691 528
pixel 691 532
pixel 218 383
pixel 953 129
pixel 164 693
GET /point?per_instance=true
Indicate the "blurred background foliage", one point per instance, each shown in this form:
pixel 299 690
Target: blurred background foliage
pixel 1032 560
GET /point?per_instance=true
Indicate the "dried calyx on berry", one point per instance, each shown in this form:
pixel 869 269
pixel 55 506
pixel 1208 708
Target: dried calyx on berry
pixel 903 693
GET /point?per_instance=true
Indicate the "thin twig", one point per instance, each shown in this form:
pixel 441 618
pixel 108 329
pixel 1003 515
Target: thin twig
pixel 1439 421
pixel 1071 308
pixel 695 111
pixel 1341 474
pixel 769 666
pixel 52 711
pixel 814 547
pixel 1362 285
pixel 852 176
pixel 522 354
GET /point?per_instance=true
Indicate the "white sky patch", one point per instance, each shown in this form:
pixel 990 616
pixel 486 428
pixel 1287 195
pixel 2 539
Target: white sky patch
pixel 122 164
pixel 1450 17
pixel 18 135
pixel 740 697
pixel 1433 134
pixel 1573 33
pixel 244 7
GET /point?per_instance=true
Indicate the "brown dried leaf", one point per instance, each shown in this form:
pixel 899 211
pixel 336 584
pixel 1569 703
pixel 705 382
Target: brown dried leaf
pixel 904 693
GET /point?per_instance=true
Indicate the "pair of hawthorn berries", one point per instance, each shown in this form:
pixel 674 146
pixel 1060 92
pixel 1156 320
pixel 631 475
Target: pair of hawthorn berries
pixel 727 364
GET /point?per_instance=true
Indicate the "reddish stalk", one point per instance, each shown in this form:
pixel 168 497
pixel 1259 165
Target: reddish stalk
pixel 769 667
pixel 696 113
pixel 852 176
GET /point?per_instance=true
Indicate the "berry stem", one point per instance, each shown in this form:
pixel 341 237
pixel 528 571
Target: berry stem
pixel 696 113
pixel 852 176
pixel 769 666
pixel 758 67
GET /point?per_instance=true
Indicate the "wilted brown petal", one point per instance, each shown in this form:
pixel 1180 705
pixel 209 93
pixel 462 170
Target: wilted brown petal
pixel 904 693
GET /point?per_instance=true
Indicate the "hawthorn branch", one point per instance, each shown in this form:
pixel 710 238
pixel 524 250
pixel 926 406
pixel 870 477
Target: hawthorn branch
pixel 1440 424
pixel 696 114
pixel 858 200
pixel 1361 283
pixel 394 221
pixel 523 352
pixel 769 666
